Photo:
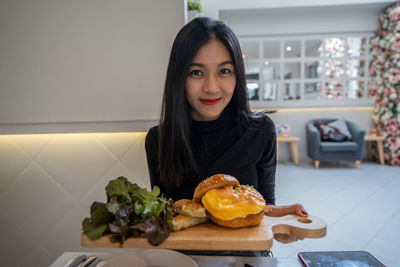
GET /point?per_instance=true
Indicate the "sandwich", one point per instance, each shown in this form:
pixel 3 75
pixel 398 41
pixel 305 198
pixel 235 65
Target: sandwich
pixel 188 213
pixel 228 203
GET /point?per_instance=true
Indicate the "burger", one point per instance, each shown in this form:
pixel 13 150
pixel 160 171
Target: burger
pixel 228 203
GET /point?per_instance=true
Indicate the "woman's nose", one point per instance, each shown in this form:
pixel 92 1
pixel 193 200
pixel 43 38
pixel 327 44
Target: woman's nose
pixel 211 85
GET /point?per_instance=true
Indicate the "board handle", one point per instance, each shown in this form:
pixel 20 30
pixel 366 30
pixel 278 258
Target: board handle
pixel 301 227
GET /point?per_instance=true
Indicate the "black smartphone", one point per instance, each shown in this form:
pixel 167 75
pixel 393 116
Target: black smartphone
pixel 338 259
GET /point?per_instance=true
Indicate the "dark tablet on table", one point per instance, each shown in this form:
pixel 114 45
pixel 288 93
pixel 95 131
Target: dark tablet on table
pixel 339 259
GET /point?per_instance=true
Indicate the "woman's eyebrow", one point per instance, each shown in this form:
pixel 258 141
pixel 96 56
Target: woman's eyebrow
pixel 225 63
pixel 220 64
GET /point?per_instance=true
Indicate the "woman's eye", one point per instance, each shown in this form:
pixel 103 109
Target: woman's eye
pixel 225 71
pixel 195 73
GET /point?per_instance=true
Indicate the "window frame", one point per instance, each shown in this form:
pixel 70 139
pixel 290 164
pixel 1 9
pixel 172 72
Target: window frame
pixel 280 103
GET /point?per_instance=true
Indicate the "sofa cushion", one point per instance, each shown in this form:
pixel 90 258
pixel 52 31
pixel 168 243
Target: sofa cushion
pixel 341 125
pixel 339 146
pixel 329 133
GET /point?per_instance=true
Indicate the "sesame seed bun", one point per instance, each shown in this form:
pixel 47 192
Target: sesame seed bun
pixel 215 181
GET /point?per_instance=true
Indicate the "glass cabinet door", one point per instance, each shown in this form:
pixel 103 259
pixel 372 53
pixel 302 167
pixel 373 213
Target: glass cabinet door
pixel 251 57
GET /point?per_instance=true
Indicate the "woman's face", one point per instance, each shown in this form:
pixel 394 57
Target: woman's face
pixel 211 81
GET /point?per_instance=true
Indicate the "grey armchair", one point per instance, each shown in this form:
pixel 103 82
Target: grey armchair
pixel 325 151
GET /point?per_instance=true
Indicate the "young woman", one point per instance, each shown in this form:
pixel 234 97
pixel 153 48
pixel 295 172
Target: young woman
pixel 206 126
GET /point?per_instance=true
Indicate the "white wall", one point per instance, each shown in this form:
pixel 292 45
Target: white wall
pixel 49 181
pixel 303 20
pixel 213 8
pixel 84 61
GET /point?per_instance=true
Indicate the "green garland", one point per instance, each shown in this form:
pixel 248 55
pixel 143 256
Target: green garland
pixel 385 87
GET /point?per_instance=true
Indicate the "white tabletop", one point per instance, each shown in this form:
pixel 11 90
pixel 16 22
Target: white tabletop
pixel 202 261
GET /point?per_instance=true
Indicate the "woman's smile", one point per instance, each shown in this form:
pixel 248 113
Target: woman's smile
pixel 210 101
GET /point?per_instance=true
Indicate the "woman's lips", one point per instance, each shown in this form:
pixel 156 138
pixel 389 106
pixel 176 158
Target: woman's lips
pixel 210 101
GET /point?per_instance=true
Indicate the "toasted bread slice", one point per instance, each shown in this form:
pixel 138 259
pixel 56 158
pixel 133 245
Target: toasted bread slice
pixel 180 222
pixel 190 208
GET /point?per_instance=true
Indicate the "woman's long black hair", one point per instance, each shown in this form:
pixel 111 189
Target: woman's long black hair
pixel 176 160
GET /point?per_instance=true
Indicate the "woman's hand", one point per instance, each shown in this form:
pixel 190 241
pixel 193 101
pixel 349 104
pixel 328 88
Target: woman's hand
pixel 278 211
pixel 299 210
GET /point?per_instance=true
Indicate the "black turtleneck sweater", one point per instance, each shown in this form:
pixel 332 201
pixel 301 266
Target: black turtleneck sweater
pixel 223 146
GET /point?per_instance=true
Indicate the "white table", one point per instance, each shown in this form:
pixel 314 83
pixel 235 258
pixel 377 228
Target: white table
pixel 202 261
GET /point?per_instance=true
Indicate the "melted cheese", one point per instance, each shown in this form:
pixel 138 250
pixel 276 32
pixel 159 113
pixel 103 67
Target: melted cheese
pixel 229 203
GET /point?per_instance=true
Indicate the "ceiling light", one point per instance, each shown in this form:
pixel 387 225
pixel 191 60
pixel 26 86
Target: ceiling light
pixel 288 48
pixel 266 63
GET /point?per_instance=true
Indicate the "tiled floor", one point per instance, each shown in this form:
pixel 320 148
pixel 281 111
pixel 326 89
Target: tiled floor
pixel 361 207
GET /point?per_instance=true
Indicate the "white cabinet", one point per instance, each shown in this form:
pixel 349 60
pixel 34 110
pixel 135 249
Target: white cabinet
pixel 84 61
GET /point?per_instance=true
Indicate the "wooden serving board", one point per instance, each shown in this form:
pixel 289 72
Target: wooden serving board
pixel 209 236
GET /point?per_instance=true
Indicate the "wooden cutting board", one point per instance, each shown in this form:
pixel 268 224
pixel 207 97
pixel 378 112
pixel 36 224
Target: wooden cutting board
pixel 209 236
